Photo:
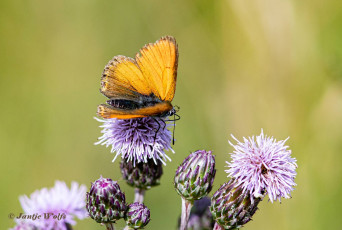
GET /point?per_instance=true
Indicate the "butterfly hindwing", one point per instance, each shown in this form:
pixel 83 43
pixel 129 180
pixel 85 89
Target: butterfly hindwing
pixel 107 111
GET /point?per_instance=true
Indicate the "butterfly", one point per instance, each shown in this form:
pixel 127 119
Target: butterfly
pixel 144 86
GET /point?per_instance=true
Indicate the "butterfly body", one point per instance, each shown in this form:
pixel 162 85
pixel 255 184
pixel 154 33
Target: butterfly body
pixel 141 87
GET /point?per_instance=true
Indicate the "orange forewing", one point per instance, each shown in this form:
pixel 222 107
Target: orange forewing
pixel 158 63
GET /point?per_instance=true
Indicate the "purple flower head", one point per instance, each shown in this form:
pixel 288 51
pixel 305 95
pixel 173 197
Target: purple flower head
pixel 57 206
pixel 137 139
pixel 105 201
pixel 263 164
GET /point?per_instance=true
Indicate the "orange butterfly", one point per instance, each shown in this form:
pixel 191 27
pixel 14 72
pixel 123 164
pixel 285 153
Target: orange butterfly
pixel 144 86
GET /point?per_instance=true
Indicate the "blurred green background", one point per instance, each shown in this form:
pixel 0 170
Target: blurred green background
pixel 244 65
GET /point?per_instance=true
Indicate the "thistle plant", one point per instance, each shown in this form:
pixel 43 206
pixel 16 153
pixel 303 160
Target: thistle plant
pixel 232 207
pixel 142 143
pixel 142 176
pixel 259 166
pixel 50 203
pixel 137 216
pixel 200 216
pixel 137 140
pixel 105 202
pixel 194 180
pixel 263 164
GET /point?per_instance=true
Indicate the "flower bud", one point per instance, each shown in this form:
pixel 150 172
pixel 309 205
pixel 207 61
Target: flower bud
pixel 105 201
pixel 142 175
pixel 232 207
pixel 195 176
pixel 137 216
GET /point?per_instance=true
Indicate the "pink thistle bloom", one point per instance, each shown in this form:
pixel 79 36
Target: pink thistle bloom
pixel 138 139
pixel 57 206
pixel 21 225
pixel 263 165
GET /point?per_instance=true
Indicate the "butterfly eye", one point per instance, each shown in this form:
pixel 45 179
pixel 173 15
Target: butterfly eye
pixel 171 112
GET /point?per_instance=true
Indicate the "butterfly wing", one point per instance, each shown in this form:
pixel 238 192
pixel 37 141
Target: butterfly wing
pixel 122 78
pixel 107 111
pixel 158 63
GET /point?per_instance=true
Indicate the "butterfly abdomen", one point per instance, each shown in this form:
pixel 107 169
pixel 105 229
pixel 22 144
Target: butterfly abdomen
pixel 144 101
pixel 123 104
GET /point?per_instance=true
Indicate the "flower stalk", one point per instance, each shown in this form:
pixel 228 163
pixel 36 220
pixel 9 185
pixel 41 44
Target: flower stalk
pixel 110 226
pixel 186 208
pixel 217 227
pixel 139 195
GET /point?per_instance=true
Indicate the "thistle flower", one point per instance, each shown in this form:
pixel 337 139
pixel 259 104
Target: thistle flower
pixel 143 175
pixel 137 216
pixel 23 225
pixel 105 201
pixel 138 139
pixel 194 180
pixel 195 176
pixel 57 201
pixel 262 163
pixel 232 207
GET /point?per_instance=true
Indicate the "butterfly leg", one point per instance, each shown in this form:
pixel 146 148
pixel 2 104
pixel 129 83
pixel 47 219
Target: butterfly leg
pixel 174 127
pixel 164 125
pixel 176 117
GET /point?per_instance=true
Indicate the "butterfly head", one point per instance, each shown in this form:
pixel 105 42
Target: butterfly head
pixel 172 112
